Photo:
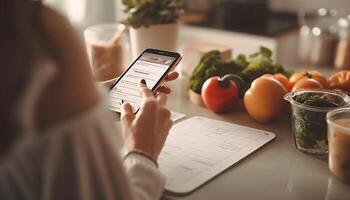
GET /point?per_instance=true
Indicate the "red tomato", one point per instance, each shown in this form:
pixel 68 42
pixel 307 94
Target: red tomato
pixel 219 97
pixel 307 83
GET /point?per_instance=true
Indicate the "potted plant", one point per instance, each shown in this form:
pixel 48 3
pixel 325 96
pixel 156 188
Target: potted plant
pixel 153 23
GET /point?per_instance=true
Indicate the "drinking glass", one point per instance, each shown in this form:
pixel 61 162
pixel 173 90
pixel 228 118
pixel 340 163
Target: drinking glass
pixel 339 143
pixel 105 45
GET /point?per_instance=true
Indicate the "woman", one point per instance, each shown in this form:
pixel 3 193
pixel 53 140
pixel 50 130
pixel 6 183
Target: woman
pixel 57 140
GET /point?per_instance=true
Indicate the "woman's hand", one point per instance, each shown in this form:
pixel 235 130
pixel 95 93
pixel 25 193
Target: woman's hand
pixel 170 77
pixel 148 129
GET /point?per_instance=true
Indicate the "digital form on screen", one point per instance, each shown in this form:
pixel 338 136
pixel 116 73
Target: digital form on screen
pixel 150 67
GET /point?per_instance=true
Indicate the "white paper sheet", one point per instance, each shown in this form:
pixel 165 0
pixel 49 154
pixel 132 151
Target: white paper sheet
pixel 175 116
pixel 197 149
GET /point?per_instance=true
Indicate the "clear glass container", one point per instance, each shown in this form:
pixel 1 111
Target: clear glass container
pixel 106 48
pixel 339 143
pixel 317 37
pixel 342 55
pixel 309 122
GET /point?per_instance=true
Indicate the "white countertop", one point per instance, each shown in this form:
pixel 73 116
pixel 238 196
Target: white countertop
pixel 276 171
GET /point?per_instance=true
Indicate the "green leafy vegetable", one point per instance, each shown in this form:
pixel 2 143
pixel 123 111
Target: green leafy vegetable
pixel 204 70
pixel 260 63
pixel 149 12
pixel 311 99
pixel 310 127
pixel 247 67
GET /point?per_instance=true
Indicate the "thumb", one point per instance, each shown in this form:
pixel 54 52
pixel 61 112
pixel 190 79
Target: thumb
pixel 126 113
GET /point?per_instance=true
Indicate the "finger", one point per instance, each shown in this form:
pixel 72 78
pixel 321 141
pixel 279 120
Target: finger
pixel 170 124
pixel 161 98
pixel 172 76
pixel 167 128
pixel 164 114
pixel 144 91
pixel 146 116
pixel 164 89
pixel 126 112
pixel 143 83
pixel 146 94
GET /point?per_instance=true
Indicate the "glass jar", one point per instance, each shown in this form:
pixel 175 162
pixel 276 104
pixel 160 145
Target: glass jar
pixel 309 122
pixel 339 143
pixel 317 37
pixel 342 55
pixel 106 49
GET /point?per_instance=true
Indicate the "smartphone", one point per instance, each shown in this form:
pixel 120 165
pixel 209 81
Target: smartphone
pixel 152 65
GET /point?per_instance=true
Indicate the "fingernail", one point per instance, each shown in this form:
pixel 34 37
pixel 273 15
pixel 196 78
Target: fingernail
pixel 121 102
pixel 143 81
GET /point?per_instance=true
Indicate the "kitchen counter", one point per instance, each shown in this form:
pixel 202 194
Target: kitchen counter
pixel 284 46
pixel 276 171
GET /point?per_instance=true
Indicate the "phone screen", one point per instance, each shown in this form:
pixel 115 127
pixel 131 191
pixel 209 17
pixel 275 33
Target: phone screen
pixel 149 66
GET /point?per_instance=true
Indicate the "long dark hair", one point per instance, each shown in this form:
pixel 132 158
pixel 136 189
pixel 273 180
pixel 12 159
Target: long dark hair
pixel 20 49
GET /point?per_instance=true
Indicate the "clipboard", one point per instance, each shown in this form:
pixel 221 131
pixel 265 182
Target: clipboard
pixel 198 149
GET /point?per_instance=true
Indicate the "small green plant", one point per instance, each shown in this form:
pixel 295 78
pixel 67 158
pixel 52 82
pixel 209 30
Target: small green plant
pixel 150 12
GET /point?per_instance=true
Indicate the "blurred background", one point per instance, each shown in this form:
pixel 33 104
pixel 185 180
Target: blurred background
pixel 299 32
pixel 86 12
